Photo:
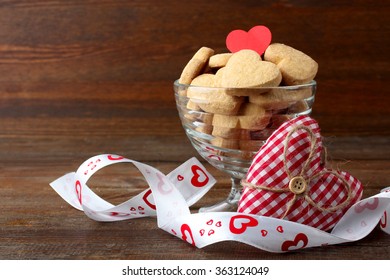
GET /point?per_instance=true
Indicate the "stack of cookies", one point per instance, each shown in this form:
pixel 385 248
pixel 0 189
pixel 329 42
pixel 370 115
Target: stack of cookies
pixel 241 97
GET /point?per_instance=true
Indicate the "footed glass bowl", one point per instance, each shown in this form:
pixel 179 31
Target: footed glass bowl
pixel 227 126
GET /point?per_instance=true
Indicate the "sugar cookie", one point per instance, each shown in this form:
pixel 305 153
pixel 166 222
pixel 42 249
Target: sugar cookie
pixel 192 105
pixel 204 128
pixel 280 98
pixel 253 117
pixel 226 132
pixel 195 66
pixel 250 116
pixel 246 69
pixel 250 145
pixel 226 121
pixel 212 99
pixel 298 107
pixel 225 143
pixel 296 67
pixel 219 60
pixel 226 126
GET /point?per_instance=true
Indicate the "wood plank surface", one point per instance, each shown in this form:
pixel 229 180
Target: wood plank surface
pixel 81 78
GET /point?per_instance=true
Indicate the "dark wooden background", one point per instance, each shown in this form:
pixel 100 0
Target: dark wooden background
pixel 80 78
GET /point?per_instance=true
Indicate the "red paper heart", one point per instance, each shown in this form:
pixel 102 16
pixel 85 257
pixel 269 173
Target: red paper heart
pixel 257 39
pixel 271 193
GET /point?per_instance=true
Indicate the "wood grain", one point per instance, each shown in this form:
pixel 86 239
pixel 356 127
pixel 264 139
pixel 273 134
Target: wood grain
pixel 80 78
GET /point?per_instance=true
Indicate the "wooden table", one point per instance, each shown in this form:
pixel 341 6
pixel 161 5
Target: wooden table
pixel 77 80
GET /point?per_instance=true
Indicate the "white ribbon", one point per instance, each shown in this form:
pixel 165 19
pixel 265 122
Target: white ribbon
pixel 170 196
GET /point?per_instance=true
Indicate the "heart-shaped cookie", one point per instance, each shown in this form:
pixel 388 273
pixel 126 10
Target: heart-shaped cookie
pixel 257 38
pixel 297 67
pixel 205 93
pixel 246 69
pixel 288 179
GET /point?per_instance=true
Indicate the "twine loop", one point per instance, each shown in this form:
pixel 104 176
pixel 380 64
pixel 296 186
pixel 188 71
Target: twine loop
pixel 300 185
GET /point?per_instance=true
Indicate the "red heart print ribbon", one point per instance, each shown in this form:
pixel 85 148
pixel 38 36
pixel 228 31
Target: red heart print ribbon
pixel 169 197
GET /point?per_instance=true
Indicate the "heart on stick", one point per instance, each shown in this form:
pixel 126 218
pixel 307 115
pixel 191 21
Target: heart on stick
pixel 288 179
pixel 257 39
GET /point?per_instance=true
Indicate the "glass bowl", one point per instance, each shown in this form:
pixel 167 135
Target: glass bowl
pixel 227 126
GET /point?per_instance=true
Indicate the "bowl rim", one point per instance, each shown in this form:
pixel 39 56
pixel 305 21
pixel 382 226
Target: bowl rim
pixel 312 83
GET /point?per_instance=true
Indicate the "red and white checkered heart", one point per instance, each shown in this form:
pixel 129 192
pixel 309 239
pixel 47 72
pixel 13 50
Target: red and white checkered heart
pixel 289 180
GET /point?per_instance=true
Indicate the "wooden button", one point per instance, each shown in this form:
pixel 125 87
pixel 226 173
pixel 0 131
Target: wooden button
pixel 297 185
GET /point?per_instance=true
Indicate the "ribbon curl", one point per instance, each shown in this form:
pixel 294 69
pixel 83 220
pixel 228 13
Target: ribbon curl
pixel 169 197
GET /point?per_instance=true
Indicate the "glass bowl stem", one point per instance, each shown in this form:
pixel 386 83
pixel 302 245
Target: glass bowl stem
pixel 231 202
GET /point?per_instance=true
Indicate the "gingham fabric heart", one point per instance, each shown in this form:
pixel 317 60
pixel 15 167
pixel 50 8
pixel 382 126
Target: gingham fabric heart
pixel 289 180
